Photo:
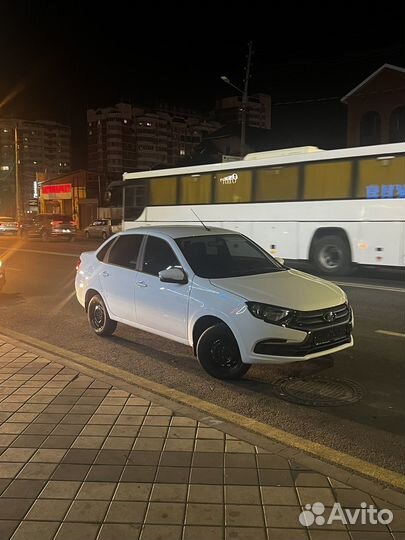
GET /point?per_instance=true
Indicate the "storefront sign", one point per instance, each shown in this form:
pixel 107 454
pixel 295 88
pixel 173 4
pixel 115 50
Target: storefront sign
pixel 56 191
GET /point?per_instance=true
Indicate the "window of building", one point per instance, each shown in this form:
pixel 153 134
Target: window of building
pixel 162 191
pixel 328 180
pixel 233 186
pixel 195 189
pixel 158 256
pixel 370 128
pixel 397 125
pixel 277 184
pixel 381 178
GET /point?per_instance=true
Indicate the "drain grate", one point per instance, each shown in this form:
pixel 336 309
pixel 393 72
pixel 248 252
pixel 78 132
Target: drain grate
pixel 318 391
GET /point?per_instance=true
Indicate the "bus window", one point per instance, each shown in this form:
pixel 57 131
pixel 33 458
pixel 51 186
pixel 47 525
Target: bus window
pixel 162 191
pixel 135 197
pixel 195 189
pixel 328 180
pixel 277 184
pixel 233 186
pixel 381 178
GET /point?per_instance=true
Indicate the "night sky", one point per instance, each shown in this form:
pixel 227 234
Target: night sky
pixel 63 58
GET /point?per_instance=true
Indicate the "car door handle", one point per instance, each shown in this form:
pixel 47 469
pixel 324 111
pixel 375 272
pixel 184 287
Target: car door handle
pixel 105 274
pixel 141 284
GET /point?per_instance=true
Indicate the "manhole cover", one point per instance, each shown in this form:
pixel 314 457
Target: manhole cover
pixel 318 391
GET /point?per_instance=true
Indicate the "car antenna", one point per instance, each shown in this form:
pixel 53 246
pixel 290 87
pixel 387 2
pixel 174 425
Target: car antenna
pixel 200 220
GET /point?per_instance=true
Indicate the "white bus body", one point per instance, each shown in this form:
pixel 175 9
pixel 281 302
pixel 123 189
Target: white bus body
pixel 372 230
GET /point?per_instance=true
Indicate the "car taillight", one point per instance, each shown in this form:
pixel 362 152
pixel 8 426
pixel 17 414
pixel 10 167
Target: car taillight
pixel 78 265
pixel 73 223
pixel 53 223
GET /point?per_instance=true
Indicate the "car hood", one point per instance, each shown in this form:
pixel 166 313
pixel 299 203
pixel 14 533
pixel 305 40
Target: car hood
pixel 291 289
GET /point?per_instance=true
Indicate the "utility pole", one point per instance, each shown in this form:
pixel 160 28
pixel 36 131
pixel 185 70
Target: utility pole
pixel 17 176
pixel 245 101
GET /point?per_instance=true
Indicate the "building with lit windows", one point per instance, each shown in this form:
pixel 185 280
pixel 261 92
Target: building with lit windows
pixel 126 138
pixel 43 147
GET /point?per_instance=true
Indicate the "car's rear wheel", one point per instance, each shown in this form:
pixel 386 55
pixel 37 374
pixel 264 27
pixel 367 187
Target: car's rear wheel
pixel 98 317
pixel 104 236
pixel 218 353
pixel 87 235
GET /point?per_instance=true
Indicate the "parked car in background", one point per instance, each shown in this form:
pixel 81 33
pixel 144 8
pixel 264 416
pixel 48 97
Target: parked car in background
pixel 103 228
pixel 24 224
pixel 2 275
pixel 8 225
pixel 48 226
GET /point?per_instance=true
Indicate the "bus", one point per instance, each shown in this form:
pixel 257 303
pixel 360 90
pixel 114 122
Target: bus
pixel 334 208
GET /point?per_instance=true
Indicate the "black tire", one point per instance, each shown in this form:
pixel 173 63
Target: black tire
pixel 218 353
pixel 104 236
pixel 87 235
pixel 98 317
pixel 331 255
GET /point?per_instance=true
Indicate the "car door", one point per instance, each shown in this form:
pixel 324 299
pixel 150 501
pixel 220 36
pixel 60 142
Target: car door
pixel 161 307
pixel 95 229
pixel 118 276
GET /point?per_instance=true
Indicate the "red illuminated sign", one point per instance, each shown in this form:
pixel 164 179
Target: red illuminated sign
pixel 58 188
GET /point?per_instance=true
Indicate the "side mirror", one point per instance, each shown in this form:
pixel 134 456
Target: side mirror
pixel 280 260
pixel 173 274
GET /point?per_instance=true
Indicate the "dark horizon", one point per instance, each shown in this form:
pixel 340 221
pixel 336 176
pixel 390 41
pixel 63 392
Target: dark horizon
pixel 65 61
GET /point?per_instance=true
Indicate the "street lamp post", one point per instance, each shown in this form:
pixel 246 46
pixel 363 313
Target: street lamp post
pixel 244 93
pixel 17 175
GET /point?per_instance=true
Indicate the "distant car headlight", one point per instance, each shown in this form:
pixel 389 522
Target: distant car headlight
pixel 270 314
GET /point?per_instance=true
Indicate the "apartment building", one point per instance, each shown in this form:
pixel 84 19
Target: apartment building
pixel 258 111
pixel 133 138
pixel 44 147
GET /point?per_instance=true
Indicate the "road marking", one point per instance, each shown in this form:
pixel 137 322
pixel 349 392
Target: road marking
pixel 11 250
pixel 389 333
pixel 374 287
pixel 340 459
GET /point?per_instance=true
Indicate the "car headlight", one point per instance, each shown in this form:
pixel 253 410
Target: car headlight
pixel 270 314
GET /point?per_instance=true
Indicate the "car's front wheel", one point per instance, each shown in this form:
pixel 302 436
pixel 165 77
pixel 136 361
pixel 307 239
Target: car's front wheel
pixel 218 353
pixel 98 317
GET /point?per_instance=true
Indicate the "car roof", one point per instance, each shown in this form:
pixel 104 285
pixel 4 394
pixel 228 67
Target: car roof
pixel 179 231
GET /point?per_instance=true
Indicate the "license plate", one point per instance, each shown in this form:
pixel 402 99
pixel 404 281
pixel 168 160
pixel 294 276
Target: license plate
pixel 329 335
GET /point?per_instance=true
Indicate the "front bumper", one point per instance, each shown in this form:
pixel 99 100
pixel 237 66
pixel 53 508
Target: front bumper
pixel 277 344
pixel 286 359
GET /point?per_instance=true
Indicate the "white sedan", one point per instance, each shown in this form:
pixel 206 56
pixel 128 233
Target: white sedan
pixel 215 290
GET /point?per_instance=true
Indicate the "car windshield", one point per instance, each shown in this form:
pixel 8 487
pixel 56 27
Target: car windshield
pixel 227 255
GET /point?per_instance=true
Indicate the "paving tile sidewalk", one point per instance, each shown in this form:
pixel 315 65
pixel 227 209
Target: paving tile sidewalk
pixel 82 459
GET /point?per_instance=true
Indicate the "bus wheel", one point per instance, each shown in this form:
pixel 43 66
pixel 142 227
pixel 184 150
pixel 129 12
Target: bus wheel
pixel 218 353
pixel 331 255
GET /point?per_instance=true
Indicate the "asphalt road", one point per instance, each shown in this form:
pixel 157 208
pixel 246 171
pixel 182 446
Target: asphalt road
pixel 39 301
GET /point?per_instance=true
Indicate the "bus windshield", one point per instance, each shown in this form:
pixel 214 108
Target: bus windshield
pixel 225 256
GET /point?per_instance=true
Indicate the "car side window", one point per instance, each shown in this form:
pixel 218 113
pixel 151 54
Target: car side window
pixel 125 251
pixel 103 251
pixel 158 256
